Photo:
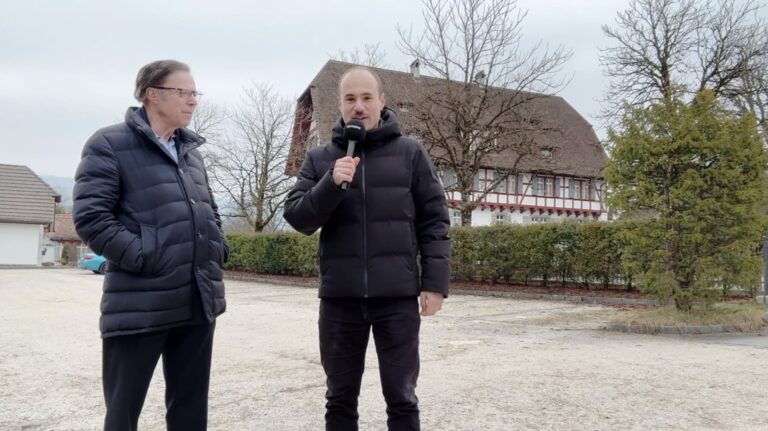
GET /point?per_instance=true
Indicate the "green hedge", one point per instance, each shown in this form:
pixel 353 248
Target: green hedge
pixel 591 255
pixel 273 253
pixel 588 254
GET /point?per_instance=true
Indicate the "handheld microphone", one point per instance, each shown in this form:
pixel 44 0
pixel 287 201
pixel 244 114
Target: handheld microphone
pixel 354 131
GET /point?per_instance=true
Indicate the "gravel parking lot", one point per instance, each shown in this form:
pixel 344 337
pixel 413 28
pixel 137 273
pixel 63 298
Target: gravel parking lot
pixel 487 364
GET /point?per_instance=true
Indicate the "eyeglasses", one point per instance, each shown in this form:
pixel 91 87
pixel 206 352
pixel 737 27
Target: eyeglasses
pixel 183 92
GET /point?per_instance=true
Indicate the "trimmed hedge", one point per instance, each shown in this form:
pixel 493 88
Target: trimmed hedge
pixel 273 253
pixel 587 254
pixel 592 255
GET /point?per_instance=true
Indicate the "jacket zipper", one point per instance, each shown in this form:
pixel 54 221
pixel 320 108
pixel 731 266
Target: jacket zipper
pixel 181 152
pixel 365 228
pixel 191 207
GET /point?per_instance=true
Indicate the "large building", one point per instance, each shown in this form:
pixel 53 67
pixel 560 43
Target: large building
pixel 559 179
pixel 27 205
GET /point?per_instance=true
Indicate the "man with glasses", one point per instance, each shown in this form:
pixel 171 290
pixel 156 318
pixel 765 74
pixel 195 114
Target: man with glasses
pixel 142 200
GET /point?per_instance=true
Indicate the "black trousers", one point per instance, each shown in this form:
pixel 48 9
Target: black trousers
pixel 345 325
pixel 129 361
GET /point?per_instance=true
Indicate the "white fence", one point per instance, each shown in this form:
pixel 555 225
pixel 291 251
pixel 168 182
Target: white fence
pixel 51 252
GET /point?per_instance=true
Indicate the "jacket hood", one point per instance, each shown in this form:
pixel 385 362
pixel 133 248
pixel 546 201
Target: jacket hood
pixel 388 129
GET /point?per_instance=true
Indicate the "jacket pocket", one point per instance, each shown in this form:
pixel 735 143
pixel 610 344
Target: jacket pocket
pixel 149 249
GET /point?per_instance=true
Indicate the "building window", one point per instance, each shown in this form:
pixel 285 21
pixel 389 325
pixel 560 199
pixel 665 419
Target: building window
pixel 501 187
pixel 546 154
pixel 482 139
pixel 539 219
pixel 574 188
pixel 512 183
pixel 581 189
pixel 549 185
pixel 501 217
pixel 449 179
pixel 455 218
pixel 585 190
pixel 404 107
pixel 597 190
pixel 537 186
pixel 488 179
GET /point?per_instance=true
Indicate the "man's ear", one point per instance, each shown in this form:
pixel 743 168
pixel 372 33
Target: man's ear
pixel 152 95
pixel 381 97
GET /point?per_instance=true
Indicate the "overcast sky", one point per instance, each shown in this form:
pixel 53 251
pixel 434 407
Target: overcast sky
pixel 67 68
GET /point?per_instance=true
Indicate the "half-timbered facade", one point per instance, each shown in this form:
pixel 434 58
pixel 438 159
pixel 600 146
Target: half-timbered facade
pixel 528 198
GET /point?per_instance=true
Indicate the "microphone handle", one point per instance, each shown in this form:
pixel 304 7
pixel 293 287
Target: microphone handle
pixel 350 151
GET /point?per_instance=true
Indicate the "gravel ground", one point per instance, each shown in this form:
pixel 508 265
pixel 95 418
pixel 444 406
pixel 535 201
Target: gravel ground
pixel 487 364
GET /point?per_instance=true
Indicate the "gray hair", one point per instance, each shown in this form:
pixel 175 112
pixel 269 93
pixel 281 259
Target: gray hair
pixel 154 74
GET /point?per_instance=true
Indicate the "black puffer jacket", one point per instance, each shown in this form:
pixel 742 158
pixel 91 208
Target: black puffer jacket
pixel 156 223
pixel 371 234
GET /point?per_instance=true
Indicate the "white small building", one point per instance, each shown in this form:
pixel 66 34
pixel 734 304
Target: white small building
pixel 27 205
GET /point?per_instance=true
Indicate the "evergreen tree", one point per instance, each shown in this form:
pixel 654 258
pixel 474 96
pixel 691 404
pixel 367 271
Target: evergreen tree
pixel 695 172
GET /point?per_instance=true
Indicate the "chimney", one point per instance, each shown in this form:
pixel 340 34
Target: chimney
pixel 415 68
pixel 480 78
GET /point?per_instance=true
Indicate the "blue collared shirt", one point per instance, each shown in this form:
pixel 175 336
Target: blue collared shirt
pixel 170 146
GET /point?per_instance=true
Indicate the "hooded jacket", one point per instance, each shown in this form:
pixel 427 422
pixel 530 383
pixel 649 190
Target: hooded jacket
pixel 371 234
pixel 156 223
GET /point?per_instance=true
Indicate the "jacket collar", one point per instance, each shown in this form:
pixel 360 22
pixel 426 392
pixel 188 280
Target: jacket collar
pixel 187 140
pixel 389 129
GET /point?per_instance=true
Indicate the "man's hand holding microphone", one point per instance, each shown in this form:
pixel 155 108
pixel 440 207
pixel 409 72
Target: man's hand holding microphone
pixel 344 168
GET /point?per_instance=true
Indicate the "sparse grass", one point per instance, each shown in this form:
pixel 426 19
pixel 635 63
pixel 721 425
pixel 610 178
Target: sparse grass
pixel 736 316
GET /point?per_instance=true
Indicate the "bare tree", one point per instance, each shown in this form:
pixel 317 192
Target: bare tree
pixel 248 166
pixel 753 96
pixel 481 103
pixel 208 121
pixel 372 55
pixel 667 47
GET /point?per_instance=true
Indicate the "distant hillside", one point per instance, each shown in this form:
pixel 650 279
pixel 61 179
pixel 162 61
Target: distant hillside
pixel 62 186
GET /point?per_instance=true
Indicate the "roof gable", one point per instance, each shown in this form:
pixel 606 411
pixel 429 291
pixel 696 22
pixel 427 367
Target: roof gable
pixel 24 197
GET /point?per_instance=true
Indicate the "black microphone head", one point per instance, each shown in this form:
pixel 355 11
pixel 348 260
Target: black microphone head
pixel 354 131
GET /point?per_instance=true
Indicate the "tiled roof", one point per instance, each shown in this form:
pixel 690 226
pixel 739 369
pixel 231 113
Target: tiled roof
pixel 574 145
pixel 24 197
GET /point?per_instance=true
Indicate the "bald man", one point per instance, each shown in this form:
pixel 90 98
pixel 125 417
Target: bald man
pixel 372 237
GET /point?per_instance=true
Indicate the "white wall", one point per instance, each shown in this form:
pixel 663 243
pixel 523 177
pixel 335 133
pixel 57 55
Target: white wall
pixel 481 218
pixel 20 244
pixel 486 217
